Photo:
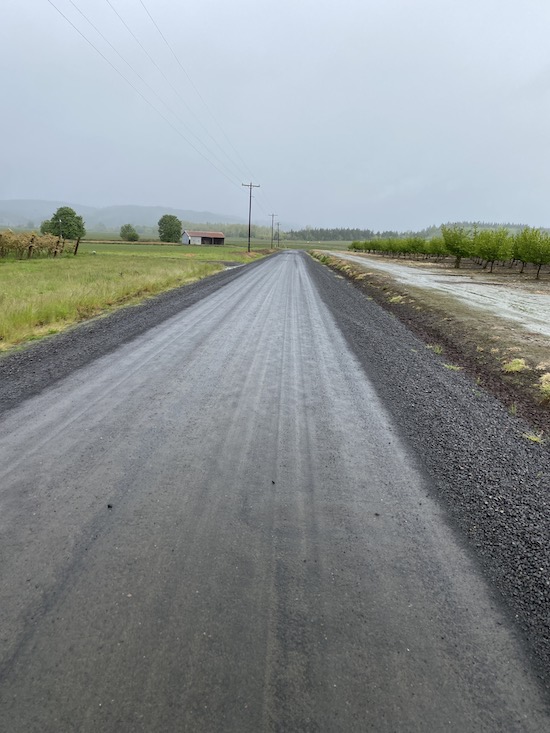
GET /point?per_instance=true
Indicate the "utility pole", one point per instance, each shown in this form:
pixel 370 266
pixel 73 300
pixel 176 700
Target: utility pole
pixel 272 217
pixel 250 186
pixel 278 235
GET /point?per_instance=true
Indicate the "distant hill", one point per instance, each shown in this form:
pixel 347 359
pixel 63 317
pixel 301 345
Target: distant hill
pixel 29 213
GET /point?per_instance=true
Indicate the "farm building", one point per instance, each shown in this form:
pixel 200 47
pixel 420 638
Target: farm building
pixel 203 237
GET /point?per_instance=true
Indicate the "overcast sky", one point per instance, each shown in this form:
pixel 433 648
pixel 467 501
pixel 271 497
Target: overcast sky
pixel 372 113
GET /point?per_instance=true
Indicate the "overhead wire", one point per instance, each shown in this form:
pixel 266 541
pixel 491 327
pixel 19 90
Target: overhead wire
pixel 147 101
pixel 205 104
pixel 196 90
pixel 176 91
pixel 228 174
pixel 153 91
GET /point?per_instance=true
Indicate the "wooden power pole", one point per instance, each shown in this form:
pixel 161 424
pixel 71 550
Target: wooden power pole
pixel 272 218
pixel 250 186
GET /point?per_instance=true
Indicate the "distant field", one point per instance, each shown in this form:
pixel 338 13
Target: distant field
pixel 234 243
pixel 43 296
pixel 238 242
pixel 230 252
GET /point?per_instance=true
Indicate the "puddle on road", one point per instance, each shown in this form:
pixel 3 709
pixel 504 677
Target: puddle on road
pixel 508 300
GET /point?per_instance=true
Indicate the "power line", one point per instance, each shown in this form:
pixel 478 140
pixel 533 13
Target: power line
pixel 174 89
pixel 263 208
pixel 147 101
pixel 195 88
pixel 144 98
pixel 153 91
pixel 193 85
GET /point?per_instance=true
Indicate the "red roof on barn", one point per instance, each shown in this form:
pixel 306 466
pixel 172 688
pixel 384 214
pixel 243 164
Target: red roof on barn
pixel 214 235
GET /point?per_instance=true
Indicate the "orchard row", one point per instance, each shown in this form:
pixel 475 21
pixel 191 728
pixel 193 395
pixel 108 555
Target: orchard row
pixel 527 247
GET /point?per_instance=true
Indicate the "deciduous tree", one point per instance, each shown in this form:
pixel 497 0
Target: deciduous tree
pixel 170 228
pixel 457 242
pixel 64 223
pixel 493 245
pixel 128 233
pixel 532 245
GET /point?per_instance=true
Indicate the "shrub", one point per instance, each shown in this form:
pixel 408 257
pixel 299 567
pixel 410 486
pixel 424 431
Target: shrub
pixel 128 233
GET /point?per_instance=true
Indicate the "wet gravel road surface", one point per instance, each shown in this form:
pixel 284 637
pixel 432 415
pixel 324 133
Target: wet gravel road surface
pixel 228 523
pixel 527 304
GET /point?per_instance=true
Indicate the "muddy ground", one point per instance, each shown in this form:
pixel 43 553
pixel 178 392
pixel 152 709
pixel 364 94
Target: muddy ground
pixel 467 331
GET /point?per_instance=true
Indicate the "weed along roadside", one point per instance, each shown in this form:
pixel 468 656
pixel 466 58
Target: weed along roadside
pixel 43 296
pixel 501 356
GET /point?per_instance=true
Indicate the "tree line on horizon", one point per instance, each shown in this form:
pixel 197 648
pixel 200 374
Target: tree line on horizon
pixel 67 224
pixel 340 234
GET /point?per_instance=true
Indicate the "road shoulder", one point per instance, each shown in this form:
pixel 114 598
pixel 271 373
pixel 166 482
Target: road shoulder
pixel 466 337
pixel 492 481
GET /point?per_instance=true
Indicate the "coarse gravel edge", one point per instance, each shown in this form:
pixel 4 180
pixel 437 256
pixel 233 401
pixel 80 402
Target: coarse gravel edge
pixel 437 320
pixel 492 481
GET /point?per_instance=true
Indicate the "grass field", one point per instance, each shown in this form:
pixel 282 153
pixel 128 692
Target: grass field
pixel 43 296
pixel 231 243
pixel 230 252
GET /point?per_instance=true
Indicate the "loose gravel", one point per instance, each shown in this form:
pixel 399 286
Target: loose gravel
pixel 27 372
pixel 493 481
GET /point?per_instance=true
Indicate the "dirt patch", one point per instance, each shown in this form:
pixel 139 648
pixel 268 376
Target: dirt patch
pixel 465 336
pixel 505 293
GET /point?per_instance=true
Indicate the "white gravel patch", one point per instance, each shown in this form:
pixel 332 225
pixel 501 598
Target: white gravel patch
pixel 529 306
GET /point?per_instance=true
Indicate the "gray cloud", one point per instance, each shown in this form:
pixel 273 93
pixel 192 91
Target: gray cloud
pixel 384 114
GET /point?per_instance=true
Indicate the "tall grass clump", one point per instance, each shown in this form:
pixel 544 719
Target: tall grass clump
pixel 515 366
pixel 544 386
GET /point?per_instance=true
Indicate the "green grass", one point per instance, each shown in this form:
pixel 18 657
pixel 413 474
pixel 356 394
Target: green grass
pixel 238 242
pixel 43 296
pixel 224 253
pixel 544 386
pixel 534 437
pixel 514 366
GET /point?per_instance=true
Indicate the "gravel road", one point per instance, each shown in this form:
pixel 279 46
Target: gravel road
pixel 259 504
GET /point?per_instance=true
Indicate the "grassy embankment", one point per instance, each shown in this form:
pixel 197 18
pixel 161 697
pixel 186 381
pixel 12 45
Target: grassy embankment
pixel 40 297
